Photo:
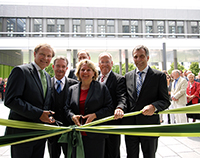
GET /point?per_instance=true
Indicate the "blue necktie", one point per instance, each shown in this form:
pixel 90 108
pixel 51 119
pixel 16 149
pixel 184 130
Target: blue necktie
pixel 176 80
pixel 139 83
pixel 58 86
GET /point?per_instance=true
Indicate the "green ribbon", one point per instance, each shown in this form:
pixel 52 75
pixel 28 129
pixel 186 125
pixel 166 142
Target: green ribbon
pixel 72 136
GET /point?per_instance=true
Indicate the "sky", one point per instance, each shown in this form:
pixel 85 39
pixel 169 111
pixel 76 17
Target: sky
pixel 157 4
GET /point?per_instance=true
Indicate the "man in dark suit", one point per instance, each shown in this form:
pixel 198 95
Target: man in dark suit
pixel 82 54
pixel 28 95
pixel 60 85
pixel 117 88
pixel 2 88
pixel 146 91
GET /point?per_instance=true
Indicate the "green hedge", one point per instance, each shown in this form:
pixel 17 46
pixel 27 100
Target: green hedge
pixel 5 70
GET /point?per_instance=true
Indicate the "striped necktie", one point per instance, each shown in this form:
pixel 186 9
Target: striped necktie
pixel 139 83
pixel 102 78
pixel 58 86
pixel 43 81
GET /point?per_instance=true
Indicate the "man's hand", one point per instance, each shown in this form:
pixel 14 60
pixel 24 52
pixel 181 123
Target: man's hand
pixel 174 99
pixel 119 113
pixel 89 117
pixel 46 117
pixel 148 110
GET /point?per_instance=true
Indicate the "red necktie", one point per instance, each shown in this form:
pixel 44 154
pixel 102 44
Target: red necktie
pixel 102 78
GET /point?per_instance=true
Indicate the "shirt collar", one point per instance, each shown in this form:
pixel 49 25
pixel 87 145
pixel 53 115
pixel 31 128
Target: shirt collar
pixel 63 80
pixel 106 74
pixel 36 66
pixel 145 70
pixel 177 78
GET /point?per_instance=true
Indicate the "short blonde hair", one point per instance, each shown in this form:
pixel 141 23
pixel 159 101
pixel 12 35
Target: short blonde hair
pixel 44 45
pixel 90 64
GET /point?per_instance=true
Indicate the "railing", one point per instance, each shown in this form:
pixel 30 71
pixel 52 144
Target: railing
pixel 81 34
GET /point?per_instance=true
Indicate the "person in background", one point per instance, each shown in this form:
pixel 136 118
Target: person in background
pixel 82 54
pixel 166 117
pixel 2 83
pixel 28 95
pixel 178 95
pixel 60 85
pixel 117 88
pixel 192 93
pixel 87 101
pixel 5 83
pixel 146 91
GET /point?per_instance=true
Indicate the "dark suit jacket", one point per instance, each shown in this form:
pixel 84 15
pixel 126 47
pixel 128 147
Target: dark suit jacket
pixel 98 101
pixel 116 85
pixel 24 96
pixel 154 91
pixel 59 113
pixel 72 74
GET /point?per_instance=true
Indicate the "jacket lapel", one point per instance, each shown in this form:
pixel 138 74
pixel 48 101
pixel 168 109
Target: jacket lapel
pixel 109 80
pixel 146 80
pixel 34 73
pixel 90 92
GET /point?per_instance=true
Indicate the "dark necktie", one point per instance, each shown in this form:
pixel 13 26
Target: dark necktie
pixel 58 86
pixel 139 83
pixel 43 81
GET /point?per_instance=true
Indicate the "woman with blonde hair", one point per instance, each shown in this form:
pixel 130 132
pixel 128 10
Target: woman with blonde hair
pixel 87 101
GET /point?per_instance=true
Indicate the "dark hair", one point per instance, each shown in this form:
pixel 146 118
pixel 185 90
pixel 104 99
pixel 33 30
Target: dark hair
pixel 138 47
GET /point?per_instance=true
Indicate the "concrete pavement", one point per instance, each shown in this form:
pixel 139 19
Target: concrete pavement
pixel 168 147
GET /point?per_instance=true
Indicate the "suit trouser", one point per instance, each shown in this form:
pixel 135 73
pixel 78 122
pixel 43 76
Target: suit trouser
pixel 94 147
pixel 33 149
pixel 55 148
pixel 148 145
pixel 112 147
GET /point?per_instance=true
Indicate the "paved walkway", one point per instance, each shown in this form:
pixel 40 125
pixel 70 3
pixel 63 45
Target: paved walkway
pixel 168 147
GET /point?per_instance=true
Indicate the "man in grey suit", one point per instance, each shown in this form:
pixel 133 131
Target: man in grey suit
pixel 146 91
pixel 60 85
pixel 117 87
pixel 28 95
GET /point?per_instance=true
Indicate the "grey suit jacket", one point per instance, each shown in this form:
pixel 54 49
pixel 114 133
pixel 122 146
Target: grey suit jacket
pixel 24 96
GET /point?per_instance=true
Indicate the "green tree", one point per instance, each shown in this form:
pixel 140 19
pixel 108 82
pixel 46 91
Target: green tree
pixel 131 67
pixel 194 67
pixel 180 67
pixel 49 70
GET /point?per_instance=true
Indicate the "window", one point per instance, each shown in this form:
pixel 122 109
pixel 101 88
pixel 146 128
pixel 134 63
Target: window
pixel 38 27
pixel 60 26
pixel 134 27
pixel 160 28
pixel 50 26
pixel 180 28
pixel 1 28
pixel 149 28
pixel 89 28
pixel 21 27
pixel 172 29
pixel 101 28
pixel 11 24
pixel 76 27
pixel 110 27
pixel 125 27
